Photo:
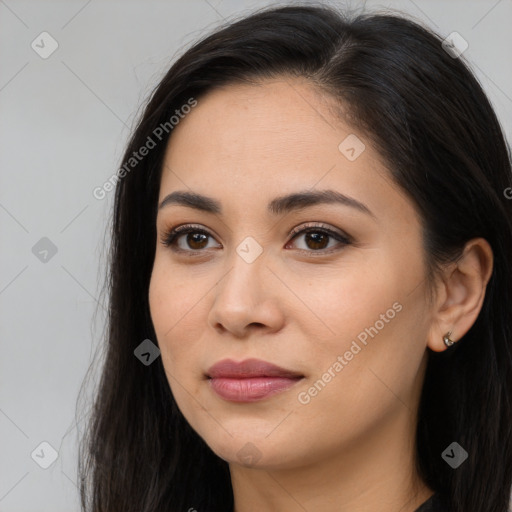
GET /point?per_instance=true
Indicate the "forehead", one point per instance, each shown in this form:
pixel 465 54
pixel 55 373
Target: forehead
pixel 282 115
pixel 252 141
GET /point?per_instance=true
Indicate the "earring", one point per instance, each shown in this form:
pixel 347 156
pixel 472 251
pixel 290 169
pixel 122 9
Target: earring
pixel 447 341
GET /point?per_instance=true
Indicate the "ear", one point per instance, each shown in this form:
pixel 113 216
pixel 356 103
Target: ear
pixel 460 293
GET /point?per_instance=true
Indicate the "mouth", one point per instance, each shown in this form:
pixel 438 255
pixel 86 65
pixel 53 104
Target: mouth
pixel 250 380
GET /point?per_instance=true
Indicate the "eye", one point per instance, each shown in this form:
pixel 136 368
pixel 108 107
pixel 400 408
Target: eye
pixel 195 241
pixel 317 238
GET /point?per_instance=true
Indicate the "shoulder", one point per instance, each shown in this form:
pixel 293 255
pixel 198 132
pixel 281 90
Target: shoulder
pixel 434 504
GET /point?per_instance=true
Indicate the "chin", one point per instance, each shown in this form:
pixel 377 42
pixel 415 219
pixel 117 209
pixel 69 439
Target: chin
pixel 254 450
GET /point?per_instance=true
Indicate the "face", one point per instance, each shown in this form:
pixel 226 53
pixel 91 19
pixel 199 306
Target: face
pixel 329 288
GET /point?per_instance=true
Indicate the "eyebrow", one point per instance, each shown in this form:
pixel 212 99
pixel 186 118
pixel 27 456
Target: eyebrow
pixel 278 206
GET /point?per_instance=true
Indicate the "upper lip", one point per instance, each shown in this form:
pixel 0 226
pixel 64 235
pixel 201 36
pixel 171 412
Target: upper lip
pixel 248 368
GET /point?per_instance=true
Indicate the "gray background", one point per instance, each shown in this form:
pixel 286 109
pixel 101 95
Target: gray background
pixel 63 125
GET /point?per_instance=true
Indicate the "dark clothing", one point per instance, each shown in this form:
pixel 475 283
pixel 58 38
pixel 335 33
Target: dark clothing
pixel 433 504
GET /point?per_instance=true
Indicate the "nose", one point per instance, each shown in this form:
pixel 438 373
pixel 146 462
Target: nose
pixel 246 299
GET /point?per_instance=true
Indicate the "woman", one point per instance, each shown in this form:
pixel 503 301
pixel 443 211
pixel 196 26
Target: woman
pixel 311 224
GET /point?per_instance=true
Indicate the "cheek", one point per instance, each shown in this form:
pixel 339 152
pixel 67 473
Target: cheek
pixel 340 304
pixel 368 317
pixel 376 352
pixel 174 304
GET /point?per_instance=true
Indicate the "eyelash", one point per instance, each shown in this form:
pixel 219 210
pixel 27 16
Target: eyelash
pixel 169 238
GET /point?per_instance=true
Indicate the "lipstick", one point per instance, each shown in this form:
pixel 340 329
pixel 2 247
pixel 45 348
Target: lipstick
pixel 250 380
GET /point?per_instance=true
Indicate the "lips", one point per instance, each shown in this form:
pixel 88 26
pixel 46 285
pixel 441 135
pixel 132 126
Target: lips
pixel 250 380
pixel 249 368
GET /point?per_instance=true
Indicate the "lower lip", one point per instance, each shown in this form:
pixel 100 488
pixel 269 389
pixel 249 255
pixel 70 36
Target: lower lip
pixel 250 389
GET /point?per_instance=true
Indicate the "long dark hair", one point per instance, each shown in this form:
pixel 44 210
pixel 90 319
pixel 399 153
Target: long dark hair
pixel 429 119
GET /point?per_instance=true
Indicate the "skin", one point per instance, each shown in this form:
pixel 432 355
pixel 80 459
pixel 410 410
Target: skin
pixel 351 447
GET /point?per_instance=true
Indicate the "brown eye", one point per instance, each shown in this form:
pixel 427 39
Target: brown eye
pixel 196 240
pixel 318 239
pixel 187 239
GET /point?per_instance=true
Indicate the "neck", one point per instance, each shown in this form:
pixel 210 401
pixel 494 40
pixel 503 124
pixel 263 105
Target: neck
pixel 376 472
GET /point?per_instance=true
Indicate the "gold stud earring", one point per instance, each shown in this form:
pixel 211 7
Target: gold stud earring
pixel 447 340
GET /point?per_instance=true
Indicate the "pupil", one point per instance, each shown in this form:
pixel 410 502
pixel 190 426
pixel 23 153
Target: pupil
pixel 316 239
pixel 194 238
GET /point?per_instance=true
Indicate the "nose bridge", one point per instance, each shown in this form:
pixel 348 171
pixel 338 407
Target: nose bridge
pixel 243 280
pixel 242 296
